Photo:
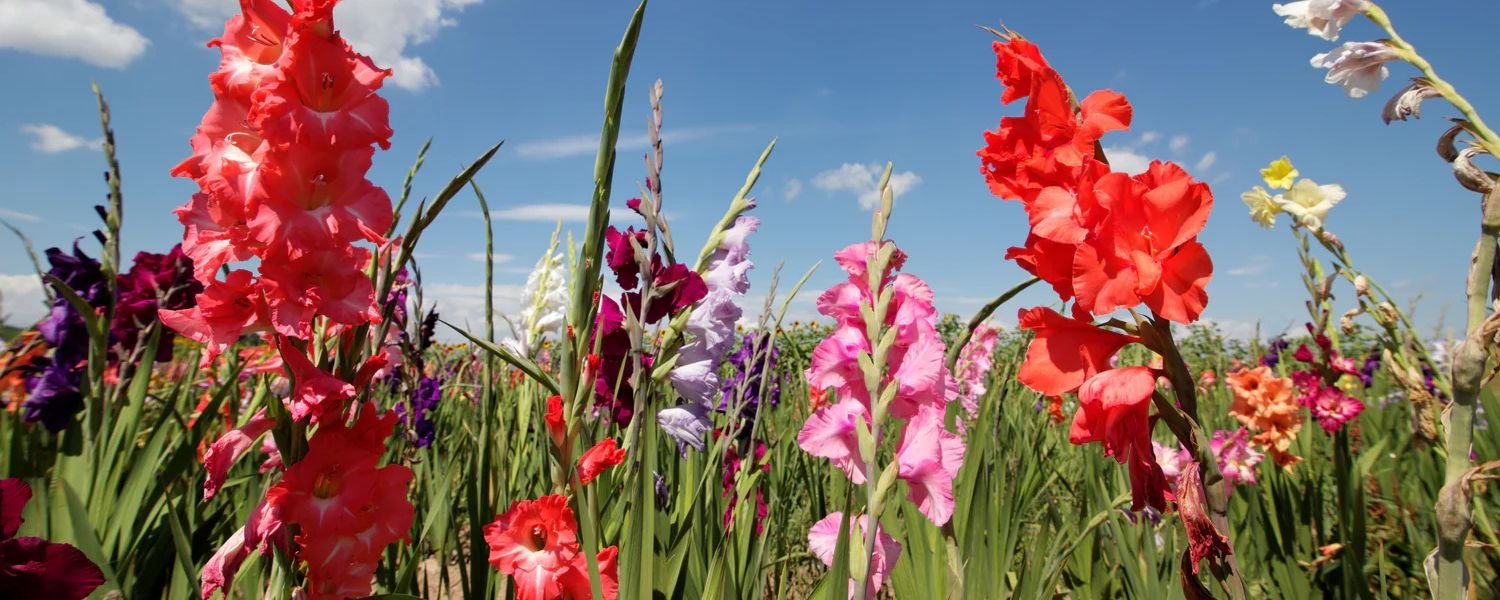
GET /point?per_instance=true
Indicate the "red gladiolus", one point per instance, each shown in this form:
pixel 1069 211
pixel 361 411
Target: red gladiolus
pixel 596 460
pixel 1065 352
pixel 1146 249
pixel 557 425
pixel 1113 410
pixel 536 543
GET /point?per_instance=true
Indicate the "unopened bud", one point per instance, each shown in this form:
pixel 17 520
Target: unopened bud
pixel 1386 314
pixel 1361 285
pixel 1346 322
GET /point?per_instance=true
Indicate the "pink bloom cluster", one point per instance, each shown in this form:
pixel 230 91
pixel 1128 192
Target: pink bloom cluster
pixel 973 367
pixel 1331 406
pixel 928 456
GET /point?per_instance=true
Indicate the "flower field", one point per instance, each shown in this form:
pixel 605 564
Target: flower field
pixel 272 406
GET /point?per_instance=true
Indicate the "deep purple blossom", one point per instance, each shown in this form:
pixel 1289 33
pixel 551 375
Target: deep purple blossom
pixel 418 420
pixel 154 282
pixel 32 568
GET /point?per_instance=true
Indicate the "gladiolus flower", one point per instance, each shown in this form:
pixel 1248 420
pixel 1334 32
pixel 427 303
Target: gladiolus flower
pixel 1279 174
pixel 823 539
pixel 1263 208
pixel 1265 404
pixel 557 426
pixel 1065 352
pixel 831 433
pixel 928 459
pixel 222 454
pixel 1358 66
pixel 1331 406
pixel 536 543
pixel 1322 18
pixel 1309 202
pixel 599 458
pixel 1112 410
pixel 1234 455
pixel 32 568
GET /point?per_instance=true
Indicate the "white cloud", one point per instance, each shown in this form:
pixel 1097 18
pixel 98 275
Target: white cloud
pixel 463 306
pixel 1256 266
pixel 208 14
pixel 21 299
pixel 384 29
pixel 16 215
pixel 793 189
pixel 1149 136
pixel 1234 329
pixel 585 144
pixel 499 258
pixel 1207 161
pixel 69 29
pixel 51 139
pixel 1178 143
pixel 863 181
pixel 542 212
pixel 1126 160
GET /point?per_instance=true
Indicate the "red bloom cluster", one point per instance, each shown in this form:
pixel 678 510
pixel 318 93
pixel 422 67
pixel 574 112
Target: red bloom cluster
pixel 280 161
pixel 1104 240
pixel 536 542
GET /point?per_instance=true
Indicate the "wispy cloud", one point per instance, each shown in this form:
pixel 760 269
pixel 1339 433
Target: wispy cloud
pixel 1179 142
pixel 1207 161
pixel 384 29
pixel 51 139
pixel 1126 160
pixel 542 212
pixel 16 215
pixel 793 189
pixel 499 258
pixel 583 144
pixel 864 181
pixel 76 29
pixel 1147 137
pixel 1256 266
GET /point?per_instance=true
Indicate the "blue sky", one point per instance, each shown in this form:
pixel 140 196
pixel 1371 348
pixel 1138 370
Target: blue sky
pixel 1220 87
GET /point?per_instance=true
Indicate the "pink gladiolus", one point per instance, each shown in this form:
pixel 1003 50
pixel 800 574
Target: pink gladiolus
pixel 831 433
pixel 928 460
pixel 222 454
pixel 1236 458
pixel 823 540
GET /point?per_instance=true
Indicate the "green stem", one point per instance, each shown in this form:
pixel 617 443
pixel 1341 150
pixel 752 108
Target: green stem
pixel 1469 366
pixel 1408 53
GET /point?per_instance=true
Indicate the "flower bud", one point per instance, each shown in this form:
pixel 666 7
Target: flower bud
pixel 1346 322
pixel 1361 285
pixel 1386 314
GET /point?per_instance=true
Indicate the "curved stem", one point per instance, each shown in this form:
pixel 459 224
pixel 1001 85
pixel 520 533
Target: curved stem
pixel 980 317
pixel 1409 53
